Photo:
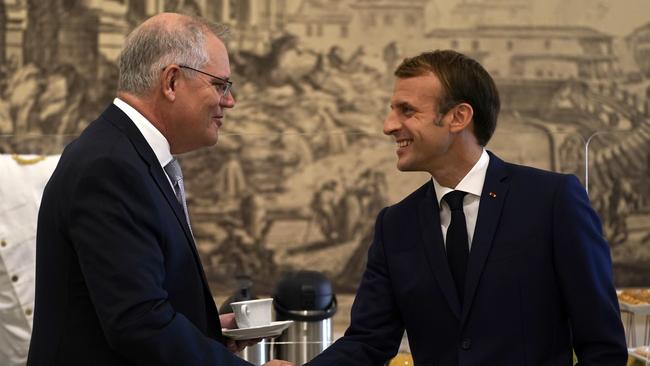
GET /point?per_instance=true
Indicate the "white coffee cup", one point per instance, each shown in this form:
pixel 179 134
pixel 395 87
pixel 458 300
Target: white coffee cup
pixel 252 313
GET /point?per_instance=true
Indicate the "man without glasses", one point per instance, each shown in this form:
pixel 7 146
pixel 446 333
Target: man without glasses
pixel 488 263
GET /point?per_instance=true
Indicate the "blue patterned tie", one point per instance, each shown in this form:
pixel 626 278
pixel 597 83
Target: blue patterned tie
pixel 457 241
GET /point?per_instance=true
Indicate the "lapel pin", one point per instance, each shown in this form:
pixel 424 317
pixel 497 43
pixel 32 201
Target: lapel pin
pixel 493 195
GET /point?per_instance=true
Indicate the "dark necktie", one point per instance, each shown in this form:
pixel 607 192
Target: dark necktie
pixel 457 242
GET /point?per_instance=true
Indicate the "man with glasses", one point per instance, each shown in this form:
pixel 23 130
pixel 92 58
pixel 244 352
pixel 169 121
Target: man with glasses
pixel 222 85
pixel 488 263
pixel 118 277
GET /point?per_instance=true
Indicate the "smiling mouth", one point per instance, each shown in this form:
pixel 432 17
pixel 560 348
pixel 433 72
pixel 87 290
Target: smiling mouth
pixel 403 143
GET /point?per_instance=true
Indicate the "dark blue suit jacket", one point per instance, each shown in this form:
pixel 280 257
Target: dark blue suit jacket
pixel 539 281
pixel 118 277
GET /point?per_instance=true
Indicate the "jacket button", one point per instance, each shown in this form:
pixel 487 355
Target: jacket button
pixel 3 243
pixel 14 278
pixel 466 344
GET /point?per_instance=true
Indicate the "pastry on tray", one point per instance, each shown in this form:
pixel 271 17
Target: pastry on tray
pixel 635 297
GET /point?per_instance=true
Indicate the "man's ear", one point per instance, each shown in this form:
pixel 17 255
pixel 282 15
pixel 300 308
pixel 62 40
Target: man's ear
pixel 168 82
pixel 462 116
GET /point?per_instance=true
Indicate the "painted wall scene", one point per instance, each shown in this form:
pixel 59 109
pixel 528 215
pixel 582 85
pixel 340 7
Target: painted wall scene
pixel 302 167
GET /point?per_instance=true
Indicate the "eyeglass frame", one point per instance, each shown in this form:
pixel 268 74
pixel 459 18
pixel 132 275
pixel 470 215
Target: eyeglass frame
pixel 228 83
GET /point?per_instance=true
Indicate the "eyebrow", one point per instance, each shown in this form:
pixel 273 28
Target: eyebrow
pixel 402 104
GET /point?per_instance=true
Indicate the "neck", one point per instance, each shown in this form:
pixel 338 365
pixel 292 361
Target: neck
pixel 148 107
pixel 457 165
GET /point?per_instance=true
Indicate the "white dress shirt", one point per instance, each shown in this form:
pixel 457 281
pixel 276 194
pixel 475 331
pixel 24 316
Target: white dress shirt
pixel 154 138
pixel 472 183
pixel 21 188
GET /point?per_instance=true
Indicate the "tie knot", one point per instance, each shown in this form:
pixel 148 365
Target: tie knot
pixel 173 170
pixel 455 199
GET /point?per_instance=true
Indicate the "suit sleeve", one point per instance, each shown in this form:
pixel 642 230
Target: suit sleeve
pixel 584 269
pixel 376 327
pixel 116 237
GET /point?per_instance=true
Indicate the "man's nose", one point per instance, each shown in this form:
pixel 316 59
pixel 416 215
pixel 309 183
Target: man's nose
pixel 391 124
pixel 227 101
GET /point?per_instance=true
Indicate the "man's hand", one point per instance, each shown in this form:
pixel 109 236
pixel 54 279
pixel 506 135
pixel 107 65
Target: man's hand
pixel 228 322
pixel 236 346
pixel 278 363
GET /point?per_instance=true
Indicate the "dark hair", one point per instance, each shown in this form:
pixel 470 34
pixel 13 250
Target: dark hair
pixel 463 80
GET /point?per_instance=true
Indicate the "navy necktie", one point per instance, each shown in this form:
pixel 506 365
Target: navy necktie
pixel 457 241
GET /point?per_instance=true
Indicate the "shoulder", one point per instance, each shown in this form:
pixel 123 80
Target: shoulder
pixel 523 174
pixel 103 139
pixel 528 184
pixel 409 205
pixel 102 150
pixel 539 184
pixel 532 173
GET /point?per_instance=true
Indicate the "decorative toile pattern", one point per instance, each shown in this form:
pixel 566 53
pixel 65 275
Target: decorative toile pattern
pixel 302 168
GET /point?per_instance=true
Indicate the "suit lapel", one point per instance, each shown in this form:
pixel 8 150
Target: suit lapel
pixel 122 122
pixel 491 202
pixel 163 184
pixel 433 246
pixel 160 177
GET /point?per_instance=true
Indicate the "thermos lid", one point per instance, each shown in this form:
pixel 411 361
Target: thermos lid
pixel 304 295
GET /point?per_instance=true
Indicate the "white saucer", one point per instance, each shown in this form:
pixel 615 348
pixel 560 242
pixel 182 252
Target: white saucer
pixel 267 331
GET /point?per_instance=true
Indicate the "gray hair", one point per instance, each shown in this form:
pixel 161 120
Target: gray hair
pixel 153 46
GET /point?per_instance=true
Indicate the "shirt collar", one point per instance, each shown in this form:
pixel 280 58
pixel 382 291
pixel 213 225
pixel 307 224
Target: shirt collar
pixel 154 138
pixel 471 183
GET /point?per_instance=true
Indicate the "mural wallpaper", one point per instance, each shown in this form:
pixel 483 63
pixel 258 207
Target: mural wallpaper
pixel 301 167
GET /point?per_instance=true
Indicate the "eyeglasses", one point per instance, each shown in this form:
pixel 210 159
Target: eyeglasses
pixel 223 86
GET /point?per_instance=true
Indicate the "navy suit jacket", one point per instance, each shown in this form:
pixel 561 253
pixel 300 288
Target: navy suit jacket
pixel 539 281
pixel 118 277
